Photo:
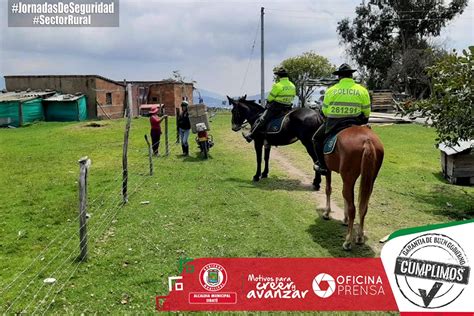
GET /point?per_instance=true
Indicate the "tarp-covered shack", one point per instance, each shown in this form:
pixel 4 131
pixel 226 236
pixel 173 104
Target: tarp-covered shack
pixel 65 108
pixel 17 109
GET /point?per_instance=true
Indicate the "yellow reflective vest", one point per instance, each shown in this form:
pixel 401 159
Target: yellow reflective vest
pixel 346 99
pixel 283 91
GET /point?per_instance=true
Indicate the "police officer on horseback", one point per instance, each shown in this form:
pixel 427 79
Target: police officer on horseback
pixel 279 101
pixel 346 103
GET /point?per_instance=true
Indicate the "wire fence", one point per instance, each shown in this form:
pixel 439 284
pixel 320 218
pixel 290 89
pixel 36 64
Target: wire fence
pixel 58 259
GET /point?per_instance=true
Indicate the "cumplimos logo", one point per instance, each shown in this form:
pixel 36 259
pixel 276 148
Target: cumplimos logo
pixel 213 277
pixel 432 270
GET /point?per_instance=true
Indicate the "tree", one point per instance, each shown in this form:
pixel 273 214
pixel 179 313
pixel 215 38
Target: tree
pixel 451 106
pixel 309 65
pixel 383 32
pixel 409 73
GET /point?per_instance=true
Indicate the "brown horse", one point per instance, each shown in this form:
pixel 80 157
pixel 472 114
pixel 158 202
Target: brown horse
pixel 358 151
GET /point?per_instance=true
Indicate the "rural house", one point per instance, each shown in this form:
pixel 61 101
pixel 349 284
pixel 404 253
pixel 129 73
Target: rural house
pixel 105 97
pixel 168 92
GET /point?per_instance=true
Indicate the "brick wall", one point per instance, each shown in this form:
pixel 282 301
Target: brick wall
pixel 114 109
pixel 163 93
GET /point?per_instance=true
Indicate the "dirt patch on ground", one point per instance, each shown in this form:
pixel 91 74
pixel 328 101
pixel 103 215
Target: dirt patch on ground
pixel 306 180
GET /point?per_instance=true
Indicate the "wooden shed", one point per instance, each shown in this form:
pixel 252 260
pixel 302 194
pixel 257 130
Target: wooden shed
pixel 382 101
pixel 457 162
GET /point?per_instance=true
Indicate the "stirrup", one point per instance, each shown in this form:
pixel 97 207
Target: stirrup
pixel 320 169
pixel 247 137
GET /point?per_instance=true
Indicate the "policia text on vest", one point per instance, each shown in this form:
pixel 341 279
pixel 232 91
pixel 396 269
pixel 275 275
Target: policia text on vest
pixel 346 99
pixel 283 91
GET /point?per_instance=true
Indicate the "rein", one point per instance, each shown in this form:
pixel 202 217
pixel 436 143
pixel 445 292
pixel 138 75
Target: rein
pixel 254 112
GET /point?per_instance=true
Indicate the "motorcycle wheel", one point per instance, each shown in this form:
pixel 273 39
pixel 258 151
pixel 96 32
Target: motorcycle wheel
pixel 205 150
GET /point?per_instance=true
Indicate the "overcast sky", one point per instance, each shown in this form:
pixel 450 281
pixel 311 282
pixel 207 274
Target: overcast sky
pixel 208 41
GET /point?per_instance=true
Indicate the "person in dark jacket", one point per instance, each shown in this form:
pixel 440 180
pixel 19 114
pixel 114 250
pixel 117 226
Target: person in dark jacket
pixel 155 132
pixel 184 126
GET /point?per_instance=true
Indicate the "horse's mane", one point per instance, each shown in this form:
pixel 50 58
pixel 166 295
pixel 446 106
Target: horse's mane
pixel 252 103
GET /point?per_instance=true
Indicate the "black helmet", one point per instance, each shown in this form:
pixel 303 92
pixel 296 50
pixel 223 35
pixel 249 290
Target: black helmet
pixel 280 71
pixel 344 69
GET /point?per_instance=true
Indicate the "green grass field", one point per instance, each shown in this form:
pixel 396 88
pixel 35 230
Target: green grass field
pixel 197 209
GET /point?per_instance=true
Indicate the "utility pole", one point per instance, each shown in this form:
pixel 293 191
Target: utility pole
pixel 262 60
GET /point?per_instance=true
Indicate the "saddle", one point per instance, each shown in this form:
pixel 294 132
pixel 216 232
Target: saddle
pixel 331 139
pixel 275 125
pixel 330 144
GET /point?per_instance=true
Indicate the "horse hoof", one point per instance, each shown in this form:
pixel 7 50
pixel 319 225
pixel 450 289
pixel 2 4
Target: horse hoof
pixel 264 175
pixel 347 246
pixel 326 216
pixel 360 240
pixel 345 222
pixel 316 187
pixel 256 179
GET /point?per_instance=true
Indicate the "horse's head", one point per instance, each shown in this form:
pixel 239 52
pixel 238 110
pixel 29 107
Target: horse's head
pixel 239 112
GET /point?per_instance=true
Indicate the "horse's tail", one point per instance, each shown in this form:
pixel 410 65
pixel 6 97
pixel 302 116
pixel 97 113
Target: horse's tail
pixel 368 174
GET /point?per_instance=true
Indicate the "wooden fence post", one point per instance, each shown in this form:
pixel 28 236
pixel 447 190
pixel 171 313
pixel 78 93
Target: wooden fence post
pixel 177 128
pixel 125 144
pixel 167 145
pixel 84 164
pixel 150 155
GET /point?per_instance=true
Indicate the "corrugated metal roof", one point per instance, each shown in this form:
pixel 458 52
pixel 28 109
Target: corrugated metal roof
pixel 64 76
pixel 7 95
pixel 463 146
pixel 37 93
pixel 64 97
pixel 15 96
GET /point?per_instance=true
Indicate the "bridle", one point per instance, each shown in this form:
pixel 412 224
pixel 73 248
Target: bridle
pixel 237 118
pixel 237 115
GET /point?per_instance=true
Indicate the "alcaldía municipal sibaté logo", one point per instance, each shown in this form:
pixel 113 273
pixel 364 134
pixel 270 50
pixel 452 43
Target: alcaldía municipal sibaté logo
pixel 213 277
pixel 432 270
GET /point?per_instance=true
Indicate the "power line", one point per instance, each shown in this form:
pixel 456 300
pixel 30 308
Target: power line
pixel 250 58
pixel 376 19
pixel 349 12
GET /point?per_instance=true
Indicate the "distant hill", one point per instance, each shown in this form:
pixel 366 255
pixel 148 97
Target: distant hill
pixel 210 98
pixel 256 97
pixel 215 99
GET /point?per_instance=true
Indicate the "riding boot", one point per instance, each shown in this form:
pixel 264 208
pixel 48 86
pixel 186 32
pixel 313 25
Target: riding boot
pixel 186 150
pixel 318 141
pixel 320 165
pixel 183 147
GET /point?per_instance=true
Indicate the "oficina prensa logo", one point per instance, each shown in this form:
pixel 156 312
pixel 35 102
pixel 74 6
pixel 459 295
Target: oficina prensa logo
pixel 324 285
pixel 213 277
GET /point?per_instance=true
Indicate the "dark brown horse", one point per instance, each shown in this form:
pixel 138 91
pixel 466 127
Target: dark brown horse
pixel 358 152
pixel 301 125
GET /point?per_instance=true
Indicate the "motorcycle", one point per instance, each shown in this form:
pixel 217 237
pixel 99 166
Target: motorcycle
pixel 204 140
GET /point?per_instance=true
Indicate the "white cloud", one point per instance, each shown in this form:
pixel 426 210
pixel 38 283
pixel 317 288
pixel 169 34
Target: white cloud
pixel 209 41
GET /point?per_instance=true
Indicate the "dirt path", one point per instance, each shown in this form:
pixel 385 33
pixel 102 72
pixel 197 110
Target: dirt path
pixel 306 180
